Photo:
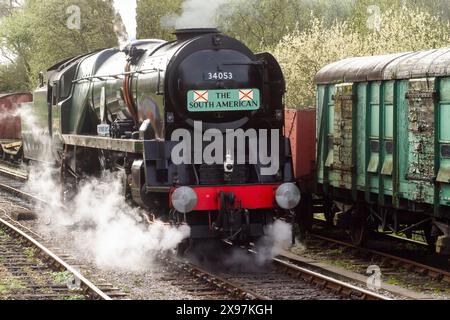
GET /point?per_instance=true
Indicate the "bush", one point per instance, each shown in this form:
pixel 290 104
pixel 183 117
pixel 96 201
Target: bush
pixel 303 53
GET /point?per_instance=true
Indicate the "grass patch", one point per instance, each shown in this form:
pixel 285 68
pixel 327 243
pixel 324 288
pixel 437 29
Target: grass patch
pixel 31 256
pixel 138 282
pixel 337 251
pixel 63 277
pixel 75 297
pixel 392 281
pixel 319 216
pixel 11 284
pixel 3 289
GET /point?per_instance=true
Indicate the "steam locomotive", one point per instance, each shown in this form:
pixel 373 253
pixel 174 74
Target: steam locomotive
pixel 120 109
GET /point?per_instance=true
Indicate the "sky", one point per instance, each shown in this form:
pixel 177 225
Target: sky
pixel 127 9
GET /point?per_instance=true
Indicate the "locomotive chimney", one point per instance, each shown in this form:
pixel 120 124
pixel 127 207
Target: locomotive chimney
pixel 186 34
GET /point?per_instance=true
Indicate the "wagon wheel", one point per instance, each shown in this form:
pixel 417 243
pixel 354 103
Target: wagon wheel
pixel 304 215
pixel 430 237
pixel 358 229
pixel 329 211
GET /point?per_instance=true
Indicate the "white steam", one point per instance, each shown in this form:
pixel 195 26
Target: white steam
pixel 8 113
pixel 98 222
pixel 195 14
pixel 103 226
pixel 277 239
pixel 127 11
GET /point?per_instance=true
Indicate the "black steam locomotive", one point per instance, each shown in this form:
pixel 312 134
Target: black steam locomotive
pixel 120 110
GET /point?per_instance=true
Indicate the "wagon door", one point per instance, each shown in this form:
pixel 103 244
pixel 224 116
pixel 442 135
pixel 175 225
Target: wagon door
pixel 443 177
pixel 421 169
pixel 341 176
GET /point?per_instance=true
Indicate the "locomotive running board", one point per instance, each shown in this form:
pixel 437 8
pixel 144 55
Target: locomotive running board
pixel 122 145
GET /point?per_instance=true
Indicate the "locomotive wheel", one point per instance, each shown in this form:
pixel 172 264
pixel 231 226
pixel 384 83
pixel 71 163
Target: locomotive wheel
pixel 184 247
pixel 67 180
pixel 68 187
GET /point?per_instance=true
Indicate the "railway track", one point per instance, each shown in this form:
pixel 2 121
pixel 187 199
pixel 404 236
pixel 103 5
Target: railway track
pixel 32 271
pixel 278 280
pixel 405 269
pixel 388 259
pixel 21 242
pixel 216 285
pixel 13 180
pixel 13 171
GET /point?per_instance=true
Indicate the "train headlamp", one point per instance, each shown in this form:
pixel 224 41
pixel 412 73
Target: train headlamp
pixel 288 196
pixel 184 199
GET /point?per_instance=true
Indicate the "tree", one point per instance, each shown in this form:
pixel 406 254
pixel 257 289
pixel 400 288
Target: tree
pixel 42 33
pixel 303 53
pixel 8 6
pixel 260 24
pixel 62 38
pixel 363 12
pixel 149 18
pixel 13 77
pixel 16 39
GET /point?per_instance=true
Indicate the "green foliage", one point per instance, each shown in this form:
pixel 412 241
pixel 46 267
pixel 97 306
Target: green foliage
pixel 6 7
pixel 149 15
pixel 16 37
pixel 260 24
pixel 39 36
pixel 363 10
pixel 304 34
pixel 62 277
pixel 303 53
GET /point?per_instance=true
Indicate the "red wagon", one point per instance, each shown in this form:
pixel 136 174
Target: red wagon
pixel 10 130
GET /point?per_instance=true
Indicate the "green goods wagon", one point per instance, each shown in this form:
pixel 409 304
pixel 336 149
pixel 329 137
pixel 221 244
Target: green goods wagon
pixel 383 144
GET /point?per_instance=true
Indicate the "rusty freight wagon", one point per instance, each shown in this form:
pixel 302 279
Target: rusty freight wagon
pixel 10 124
pixel 300 127
pixel 383 143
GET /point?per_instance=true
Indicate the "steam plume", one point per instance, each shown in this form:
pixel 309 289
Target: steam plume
pixel 195 14
pixel 98 222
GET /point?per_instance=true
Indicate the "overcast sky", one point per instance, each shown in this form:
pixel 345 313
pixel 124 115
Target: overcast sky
pixel 127 9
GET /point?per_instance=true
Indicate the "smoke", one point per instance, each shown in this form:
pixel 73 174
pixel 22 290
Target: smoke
pixel 127 11
pixel 195 14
